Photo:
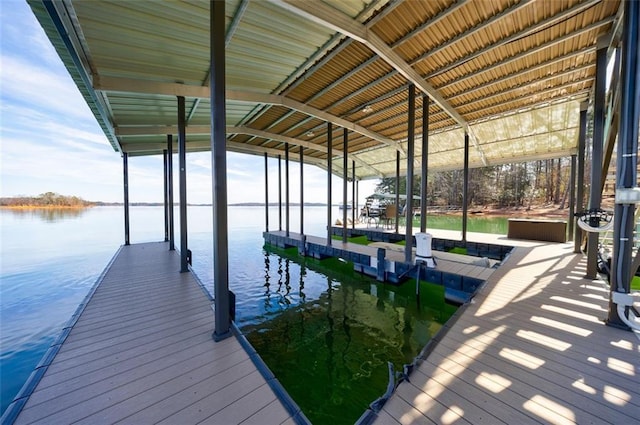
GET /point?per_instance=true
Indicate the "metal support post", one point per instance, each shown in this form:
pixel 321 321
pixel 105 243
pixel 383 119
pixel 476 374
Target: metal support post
pixel 166 206
pixel 125 173
pixel 345 178
pixel 425 162
pixel 286 188
pixel 626 171
pixel 182 160
pixel 465 187
pixel 222 295
pixel 301 190
pixel 279 192
pixel 357 206
pixel 410 148
pixel 397 190
pixel 172 238
pixel 582 137
pixel 329 154
pixel 353 194
pixel 595 192
pixel 266 192
pixel 572 196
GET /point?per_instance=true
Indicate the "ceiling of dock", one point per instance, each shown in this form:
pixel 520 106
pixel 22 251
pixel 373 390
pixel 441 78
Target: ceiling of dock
pixel 513 73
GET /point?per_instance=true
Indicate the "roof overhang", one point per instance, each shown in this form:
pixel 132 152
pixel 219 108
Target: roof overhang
pixel 511 73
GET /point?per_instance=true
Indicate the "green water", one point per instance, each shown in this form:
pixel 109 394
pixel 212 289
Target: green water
pixel 331 353
pixel 496 225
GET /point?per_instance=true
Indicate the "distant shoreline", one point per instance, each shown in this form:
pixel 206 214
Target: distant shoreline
pixel 45 207
pixel 151 204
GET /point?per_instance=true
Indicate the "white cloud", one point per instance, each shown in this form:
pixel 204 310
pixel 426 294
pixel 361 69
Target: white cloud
pixel 50 140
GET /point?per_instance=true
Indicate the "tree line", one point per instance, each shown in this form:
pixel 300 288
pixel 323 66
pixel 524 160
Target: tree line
pixel 48 199
pixel 509 185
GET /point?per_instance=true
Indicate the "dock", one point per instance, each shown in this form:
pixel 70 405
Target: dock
pixel 140 350
pixel 384 260
pixel 531 348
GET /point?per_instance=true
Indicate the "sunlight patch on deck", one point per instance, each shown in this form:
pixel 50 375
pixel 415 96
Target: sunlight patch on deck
pixel 548 410
pixel 621 366
pixel 577 303
pixel 452 415
pixel 521 358
pixel 582 386
pixel 456 363
pixel 493 382
pixel 616 396
pixel 561 326
pixel 540 339
pixel 571 313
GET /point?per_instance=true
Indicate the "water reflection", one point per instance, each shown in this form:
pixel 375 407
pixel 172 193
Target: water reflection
pixel 51 215
pixel 330 346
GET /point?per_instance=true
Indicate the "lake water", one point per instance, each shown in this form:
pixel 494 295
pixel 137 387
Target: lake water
pixel 313 315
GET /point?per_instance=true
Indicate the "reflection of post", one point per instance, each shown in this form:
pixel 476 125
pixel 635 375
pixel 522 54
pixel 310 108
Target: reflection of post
pixel 345 322
pixel 287 279
pixel 303 273
pixel 267 284
pixel 303 298
pixel 329 335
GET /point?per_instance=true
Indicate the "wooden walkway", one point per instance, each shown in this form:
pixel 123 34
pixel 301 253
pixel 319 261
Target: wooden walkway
pixel 141 352
pixel 532 348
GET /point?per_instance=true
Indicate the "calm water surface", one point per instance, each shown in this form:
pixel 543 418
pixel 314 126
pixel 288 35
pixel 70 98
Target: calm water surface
pixel 303 315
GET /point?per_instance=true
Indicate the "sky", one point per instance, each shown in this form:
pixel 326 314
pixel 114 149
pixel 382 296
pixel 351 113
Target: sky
pixel 51 142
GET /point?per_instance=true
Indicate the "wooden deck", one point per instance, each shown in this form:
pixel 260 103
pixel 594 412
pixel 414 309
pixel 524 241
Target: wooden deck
pixel 532 348
pixel 141 352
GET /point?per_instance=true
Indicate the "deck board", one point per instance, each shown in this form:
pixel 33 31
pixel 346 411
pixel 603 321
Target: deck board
pixel 142 352
pixel 531 348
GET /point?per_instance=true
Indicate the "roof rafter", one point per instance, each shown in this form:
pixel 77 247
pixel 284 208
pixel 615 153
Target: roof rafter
pixel 514 58
pixel 329 17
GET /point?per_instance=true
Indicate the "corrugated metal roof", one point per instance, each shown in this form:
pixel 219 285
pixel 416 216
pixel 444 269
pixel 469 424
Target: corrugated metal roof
pixel 513 71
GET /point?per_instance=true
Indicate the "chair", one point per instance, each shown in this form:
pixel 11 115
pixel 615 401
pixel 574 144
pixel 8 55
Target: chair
pixel 389 215
pixel 370 213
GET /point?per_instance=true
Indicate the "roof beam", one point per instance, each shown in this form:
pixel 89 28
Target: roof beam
pixel 128 85
pixel 324 15
pixel 205 145
pixel 297 142
pixel 241 96
pixel 133 131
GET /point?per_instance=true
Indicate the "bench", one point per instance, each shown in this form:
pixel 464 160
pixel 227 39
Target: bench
pixel 537 229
